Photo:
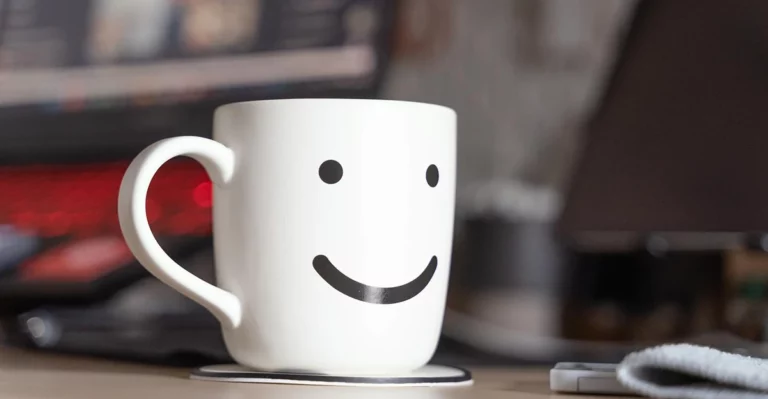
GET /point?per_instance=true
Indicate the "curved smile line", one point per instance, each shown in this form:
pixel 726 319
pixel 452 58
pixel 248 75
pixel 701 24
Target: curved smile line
pixel 366 293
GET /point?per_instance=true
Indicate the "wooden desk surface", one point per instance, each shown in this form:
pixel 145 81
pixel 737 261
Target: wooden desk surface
pixel 28 375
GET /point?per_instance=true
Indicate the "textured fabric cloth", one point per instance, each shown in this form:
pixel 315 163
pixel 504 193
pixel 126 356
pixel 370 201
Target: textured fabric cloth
pixel 684 371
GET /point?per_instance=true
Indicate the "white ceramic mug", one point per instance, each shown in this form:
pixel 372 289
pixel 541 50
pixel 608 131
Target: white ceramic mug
pixel 332 224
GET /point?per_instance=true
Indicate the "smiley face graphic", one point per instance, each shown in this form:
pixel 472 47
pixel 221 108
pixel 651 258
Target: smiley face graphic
pixel 331 172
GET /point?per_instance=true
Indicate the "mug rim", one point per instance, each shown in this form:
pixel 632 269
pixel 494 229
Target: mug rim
pixel 354 100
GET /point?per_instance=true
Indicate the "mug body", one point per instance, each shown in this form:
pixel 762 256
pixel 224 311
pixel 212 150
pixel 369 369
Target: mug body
pixel 335 232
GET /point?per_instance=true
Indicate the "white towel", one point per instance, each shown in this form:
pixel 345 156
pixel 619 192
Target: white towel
pixel 684 371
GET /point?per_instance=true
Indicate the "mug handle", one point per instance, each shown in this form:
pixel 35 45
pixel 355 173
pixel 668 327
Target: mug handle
pixel 219 162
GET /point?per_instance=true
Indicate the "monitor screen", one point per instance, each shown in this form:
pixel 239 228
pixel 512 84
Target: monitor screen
pixel 677 145
pixel 84 78
pixel 86 84
pixel 79 54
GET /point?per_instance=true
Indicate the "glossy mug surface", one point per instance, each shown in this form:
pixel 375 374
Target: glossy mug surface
pixel 333 224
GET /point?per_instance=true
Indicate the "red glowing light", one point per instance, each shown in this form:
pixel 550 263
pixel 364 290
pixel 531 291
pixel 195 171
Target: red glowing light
pixel 58 200
pixel 203 195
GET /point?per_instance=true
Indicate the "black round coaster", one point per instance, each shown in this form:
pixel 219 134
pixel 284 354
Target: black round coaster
pixel 430 375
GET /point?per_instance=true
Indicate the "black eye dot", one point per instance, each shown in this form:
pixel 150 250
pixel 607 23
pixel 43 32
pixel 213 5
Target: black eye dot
pixel 433 175
pixel 330 171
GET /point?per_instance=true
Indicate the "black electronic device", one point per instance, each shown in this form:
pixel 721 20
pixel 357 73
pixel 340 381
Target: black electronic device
pixel 111 76
pixel 674 154
pixel 669 176
pixel 86 85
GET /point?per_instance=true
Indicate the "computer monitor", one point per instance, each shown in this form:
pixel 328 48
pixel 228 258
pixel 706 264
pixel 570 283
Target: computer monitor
pixel 677 146
pixel 92 77
pixel 86 84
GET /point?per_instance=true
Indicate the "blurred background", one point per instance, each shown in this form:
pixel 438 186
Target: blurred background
pixel 611 155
